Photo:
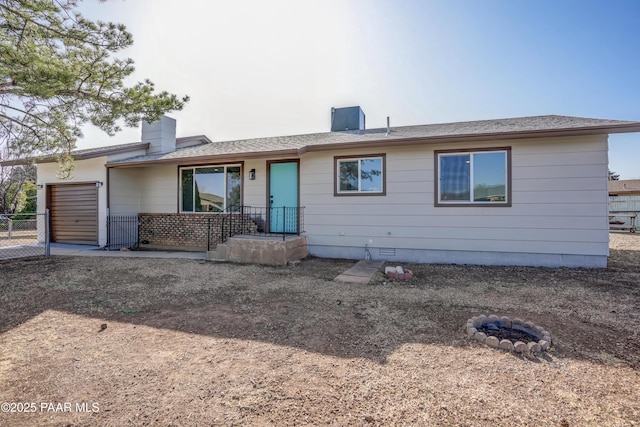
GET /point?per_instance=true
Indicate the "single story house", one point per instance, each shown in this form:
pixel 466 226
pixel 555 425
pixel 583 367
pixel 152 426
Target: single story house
pixel 519 191
pixel 624 187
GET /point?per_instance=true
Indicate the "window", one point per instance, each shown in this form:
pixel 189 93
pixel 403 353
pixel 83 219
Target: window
pixel 479 177
pixel 210 188
pixel 362 175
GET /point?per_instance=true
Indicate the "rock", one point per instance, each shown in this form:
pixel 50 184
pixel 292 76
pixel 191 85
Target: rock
pixel 478 321
pixel 388 270
pixel 505 322
pixel 469 325
pixel 492 341
pixel 544 344
pixel 471 331
pixel 534 347
pixel 480 337
pixel 531 325
pixel 493 318
pixel 520 347
pixel 399 270
pixel 506 345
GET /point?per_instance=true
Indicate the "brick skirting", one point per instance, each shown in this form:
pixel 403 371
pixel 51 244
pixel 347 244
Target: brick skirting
pixel 191 230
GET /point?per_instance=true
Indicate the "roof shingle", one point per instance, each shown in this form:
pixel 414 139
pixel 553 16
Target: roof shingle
pixel 496 129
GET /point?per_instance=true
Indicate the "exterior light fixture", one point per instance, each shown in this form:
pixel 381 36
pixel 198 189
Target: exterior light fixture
pixel 252 174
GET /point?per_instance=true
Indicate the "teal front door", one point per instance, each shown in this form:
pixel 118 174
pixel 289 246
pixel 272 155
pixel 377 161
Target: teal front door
pixel 283 197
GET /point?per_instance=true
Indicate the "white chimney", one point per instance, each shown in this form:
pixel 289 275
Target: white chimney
pixel 161 135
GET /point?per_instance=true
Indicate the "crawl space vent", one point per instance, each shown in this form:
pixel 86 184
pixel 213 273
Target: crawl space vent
pixel 387 252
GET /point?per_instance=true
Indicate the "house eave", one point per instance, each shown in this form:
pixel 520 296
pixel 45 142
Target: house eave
pixel 220 158
pixel 387 141
pixel 81 156
pixel 490 137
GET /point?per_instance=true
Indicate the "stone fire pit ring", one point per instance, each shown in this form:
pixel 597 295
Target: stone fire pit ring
pixel 540 343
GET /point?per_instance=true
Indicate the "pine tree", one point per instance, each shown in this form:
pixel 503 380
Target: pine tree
pixel 58 71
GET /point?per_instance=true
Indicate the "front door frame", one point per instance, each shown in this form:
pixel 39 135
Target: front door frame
pixel 268 195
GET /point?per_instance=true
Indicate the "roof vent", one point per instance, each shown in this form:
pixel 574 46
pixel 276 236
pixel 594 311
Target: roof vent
pixel 347 118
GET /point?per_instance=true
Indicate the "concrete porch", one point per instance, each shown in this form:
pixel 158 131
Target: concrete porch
pixel 271 250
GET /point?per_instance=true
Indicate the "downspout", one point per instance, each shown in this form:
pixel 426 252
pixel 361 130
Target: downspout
pixel 107 183
pixel 108 189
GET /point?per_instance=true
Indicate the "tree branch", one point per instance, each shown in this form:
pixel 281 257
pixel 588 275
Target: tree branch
pixel 53 30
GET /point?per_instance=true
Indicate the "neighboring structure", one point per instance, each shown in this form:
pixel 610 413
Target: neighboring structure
pixel 624 200
pixel 624 187
pixel 520 191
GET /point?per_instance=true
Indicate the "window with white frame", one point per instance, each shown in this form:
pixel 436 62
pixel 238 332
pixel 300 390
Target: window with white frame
pixel 473 177
pixel 210 188
pixel 360 175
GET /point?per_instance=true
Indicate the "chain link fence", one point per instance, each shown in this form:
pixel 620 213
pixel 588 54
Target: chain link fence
pixel 24 235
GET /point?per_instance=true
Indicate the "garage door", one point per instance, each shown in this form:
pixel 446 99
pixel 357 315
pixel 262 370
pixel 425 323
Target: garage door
pixel 73 209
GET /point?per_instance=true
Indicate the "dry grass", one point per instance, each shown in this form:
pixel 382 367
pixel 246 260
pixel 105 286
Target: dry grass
pixel 191 343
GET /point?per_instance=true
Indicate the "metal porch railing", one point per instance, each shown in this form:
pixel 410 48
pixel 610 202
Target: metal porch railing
pixel 255 221
pixel 123 231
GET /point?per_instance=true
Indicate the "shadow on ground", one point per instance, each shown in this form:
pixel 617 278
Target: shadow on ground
pixel 592 314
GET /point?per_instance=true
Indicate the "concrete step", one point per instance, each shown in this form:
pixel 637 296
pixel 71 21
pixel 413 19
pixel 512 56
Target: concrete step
pixel 219 253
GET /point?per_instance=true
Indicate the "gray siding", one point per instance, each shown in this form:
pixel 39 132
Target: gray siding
pixel 559 207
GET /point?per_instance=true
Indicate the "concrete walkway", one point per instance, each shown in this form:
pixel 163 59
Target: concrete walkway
pixel 95 251
pixel 362 272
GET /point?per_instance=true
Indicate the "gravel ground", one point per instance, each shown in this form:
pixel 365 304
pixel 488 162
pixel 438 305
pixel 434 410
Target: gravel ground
pixel 126 341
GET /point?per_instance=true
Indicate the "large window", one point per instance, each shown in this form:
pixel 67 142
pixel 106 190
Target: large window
pixel 210 188
pixel 363 175
pixel 473 177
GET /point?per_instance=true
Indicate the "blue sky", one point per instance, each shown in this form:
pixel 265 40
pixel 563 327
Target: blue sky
pixel 264 68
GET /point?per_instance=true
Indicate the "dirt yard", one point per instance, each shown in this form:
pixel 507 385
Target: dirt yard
pixel 125 341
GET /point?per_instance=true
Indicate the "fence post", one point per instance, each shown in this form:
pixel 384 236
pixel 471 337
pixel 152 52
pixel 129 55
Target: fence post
pixel 243 220
pixel 221 231
pixel 109 229
pixel 208 233
pixel 47 240
pixel 138 227
pixel 9 227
